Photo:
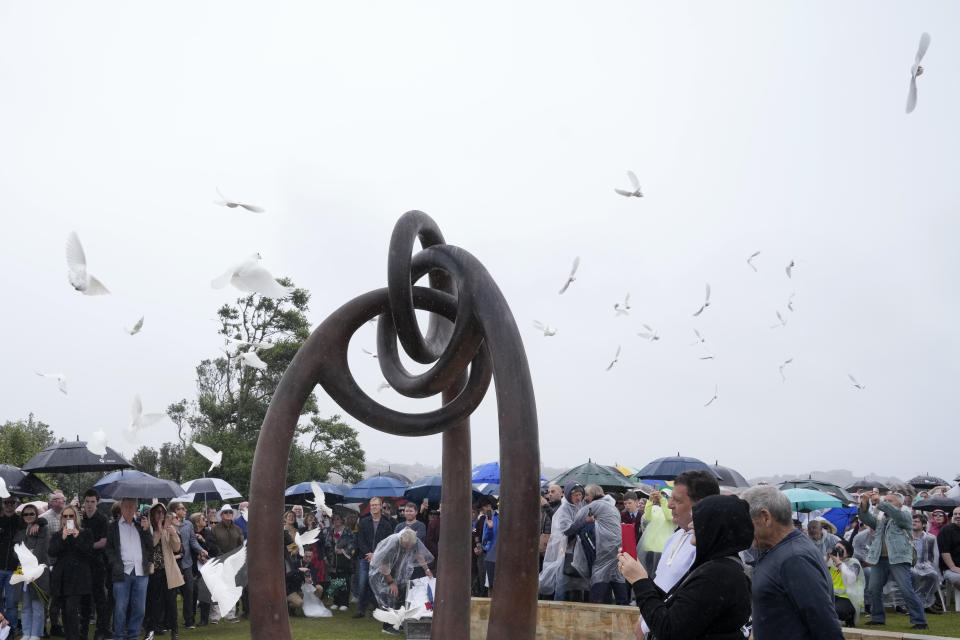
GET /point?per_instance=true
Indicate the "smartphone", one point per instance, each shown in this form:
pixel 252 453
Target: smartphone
pixel 69 525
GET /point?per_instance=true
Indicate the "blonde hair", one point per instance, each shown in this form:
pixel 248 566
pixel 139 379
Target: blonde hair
pixel 77 520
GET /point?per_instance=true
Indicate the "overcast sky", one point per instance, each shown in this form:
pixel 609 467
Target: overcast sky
pixel 772 127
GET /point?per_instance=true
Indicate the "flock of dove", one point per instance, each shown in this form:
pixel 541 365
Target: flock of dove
pixel 622 308
pixel 247 275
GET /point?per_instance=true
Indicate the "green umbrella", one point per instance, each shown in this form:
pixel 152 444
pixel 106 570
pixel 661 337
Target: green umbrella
pixel 806 500
pixel 593 473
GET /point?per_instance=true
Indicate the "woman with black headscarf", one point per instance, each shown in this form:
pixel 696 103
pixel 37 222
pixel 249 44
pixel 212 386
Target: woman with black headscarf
pixel 713 599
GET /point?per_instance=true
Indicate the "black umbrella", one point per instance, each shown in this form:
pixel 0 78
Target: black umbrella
pixel 866 485
pixel 20 483
pixel 393 474
pixel 143 486
pixel 925 481
pixel 728 477
pixel 74 457
pixel 593 473
pixel 929 504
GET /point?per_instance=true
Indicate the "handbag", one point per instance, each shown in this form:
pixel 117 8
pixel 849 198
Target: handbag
pixel 568 568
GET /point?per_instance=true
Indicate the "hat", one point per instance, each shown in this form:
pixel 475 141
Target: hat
pixel 225 507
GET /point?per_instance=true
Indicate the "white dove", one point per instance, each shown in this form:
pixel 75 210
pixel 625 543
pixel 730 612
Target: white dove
pixel 307 537
pixel 249 277
pixel 98 443
pixel 139 419
pixel 706 302
pixel 396 617
pixel 384 385
pixel 261 345
pixel 251 359
pixel 700 339
pixel 649 334
pixel 136 327
pixel 4 493
pixel 716 394
pixel 790 302
pixel 782 321
pixel 855 383
pixel 233 204
pixel 750 259
pixel 635 183
pixel 28 562
pixel 785 363
pixel 545 328
pixel 917 70
pixel 622 309
pixel 789 269
pixel 59 377
pixel 573 273
pixel 319 500
pixel 215 457
pixel 220 576
pixel 77 269
pixel 369 353
pixel 616 358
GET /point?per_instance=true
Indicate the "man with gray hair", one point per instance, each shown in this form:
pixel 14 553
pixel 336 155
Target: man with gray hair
pixel 891 554
pixel 604 575
pixel 792 591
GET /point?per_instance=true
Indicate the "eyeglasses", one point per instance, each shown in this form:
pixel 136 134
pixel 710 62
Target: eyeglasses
pixel 9 502
pixel 69 517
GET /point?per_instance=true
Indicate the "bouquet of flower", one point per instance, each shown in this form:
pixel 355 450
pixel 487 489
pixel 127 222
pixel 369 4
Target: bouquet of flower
pixel 336 586
pixel 40 592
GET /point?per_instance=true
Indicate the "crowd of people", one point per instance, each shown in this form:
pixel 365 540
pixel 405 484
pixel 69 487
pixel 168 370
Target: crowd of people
pixel 704 565
pixel 695 563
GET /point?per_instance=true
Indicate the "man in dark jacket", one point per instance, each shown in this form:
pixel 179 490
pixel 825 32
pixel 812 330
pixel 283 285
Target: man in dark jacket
pixel 370 531
pixel 129 545
pixel 792 590
pixel 97 524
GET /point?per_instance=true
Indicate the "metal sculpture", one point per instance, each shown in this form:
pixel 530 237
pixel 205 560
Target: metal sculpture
pixel 470 326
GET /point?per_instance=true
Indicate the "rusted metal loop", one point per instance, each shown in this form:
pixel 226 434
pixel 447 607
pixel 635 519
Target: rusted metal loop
pixel 461 346
pixel 410 226
pixel 344 390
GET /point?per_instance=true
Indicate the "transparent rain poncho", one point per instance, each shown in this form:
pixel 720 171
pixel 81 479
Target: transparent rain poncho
pixel 609 537
pixel 557 544
pixel 392 557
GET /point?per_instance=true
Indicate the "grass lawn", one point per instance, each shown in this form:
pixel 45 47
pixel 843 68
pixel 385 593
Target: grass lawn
pixel 947 624
pixel 341 626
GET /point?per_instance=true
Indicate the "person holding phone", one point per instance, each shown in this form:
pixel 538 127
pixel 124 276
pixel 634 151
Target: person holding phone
pixel 165 577
pixel 72 546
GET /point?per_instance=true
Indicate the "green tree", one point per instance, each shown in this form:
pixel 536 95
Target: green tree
pixel 232 398
pixel 20 440
pixel 172 462
pixel 146 459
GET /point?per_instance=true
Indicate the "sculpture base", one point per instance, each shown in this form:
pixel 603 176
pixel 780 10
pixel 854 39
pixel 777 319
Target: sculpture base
pixel 566 620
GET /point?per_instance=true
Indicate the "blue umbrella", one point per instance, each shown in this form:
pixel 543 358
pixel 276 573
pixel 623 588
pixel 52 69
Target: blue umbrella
pixel 375 486
pixel 300 493
pixel 489 472
pixel 116 476
pixel 670 467
pixel 429 488
pixel 487 488
pixel 809 500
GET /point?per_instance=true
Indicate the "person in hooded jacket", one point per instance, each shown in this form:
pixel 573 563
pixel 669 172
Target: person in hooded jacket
pixel 713 599
pixel 604 575
pixel 558 555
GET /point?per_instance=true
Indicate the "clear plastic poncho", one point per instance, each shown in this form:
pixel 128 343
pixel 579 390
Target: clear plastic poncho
pixel 853 582
pixel 393 559
pixel 557 545
pixel 609 539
